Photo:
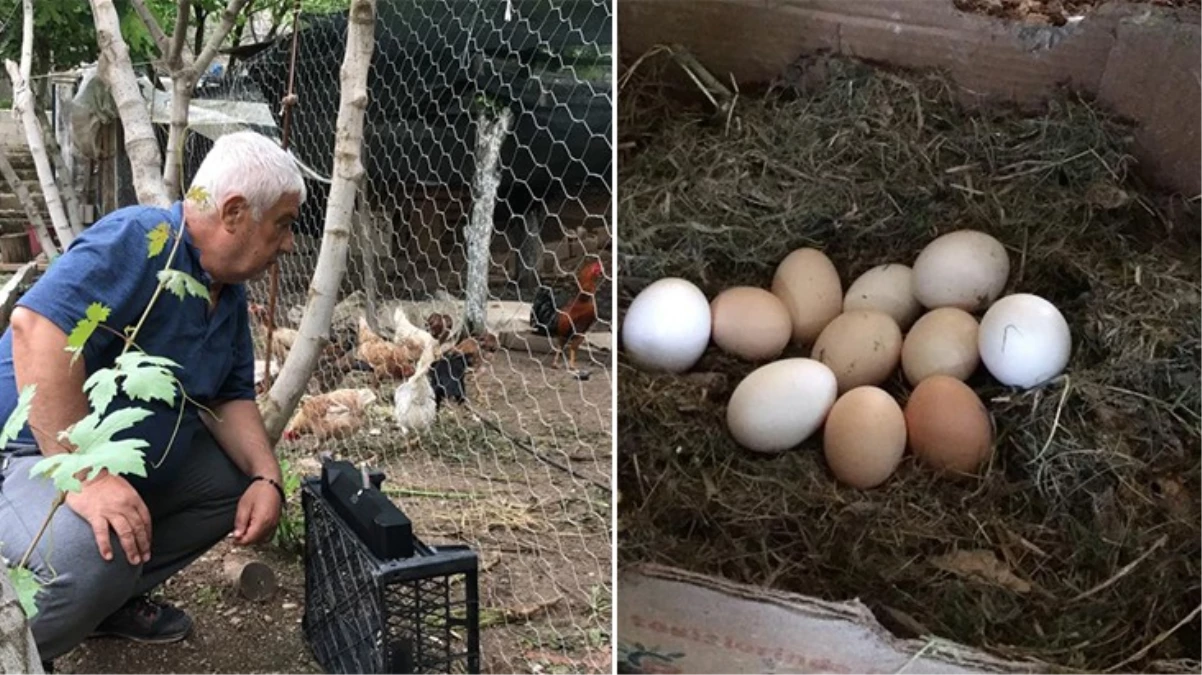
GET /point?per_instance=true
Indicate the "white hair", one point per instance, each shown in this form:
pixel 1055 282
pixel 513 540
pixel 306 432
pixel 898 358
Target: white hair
pixel 252 165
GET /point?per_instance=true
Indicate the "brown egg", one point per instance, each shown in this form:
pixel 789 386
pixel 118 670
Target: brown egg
pixel 808 283
pixel 864 437
pixel 948 425
pixel 861 347
pixel 942 342
pixel 750 323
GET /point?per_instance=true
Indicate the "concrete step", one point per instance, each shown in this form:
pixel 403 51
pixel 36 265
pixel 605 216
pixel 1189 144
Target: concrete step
pixel 11 202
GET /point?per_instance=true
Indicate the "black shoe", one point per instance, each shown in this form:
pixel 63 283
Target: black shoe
pixel 144 620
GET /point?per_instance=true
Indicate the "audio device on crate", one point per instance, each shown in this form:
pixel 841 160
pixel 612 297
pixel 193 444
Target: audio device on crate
pixel 377 599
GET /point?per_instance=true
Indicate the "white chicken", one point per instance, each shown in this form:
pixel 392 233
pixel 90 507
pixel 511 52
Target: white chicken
pixel 408 334
pixel 414 398
pixel 261 373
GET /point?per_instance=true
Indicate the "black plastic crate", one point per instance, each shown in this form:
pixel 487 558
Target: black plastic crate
pixel 364 614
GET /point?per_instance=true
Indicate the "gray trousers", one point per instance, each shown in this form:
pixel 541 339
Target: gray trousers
pixel 189 515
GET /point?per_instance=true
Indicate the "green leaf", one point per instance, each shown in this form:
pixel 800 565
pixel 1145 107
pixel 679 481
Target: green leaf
pixel 83 330
pixel 197 195
pixel 143 377
pixel 147 377
pixel 183 284
pixel 157 239
pixel 19 416
pixel 101 388
pixel 118 457
pixel 96 450
pixel 26 585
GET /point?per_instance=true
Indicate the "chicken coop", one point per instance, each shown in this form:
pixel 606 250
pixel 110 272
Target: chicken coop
pixel 506 450
pixel 864 132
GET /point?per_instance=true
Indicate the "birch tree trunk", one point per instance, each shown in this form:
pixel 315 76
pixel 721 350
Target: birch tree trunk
pixel 31 209
pixel 18 651
pixel 118 71
pixel 23 104
pixel 486 179
pixel 184 76
pixel 65 178
pixel 331 262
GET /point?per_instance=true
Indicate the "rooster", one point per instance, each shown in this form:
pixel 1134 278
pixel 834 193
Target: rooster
pixel 336 414
pixel 568 317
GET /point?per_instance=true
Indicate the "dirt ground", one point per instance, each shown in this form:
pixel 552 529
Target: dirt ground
pixel 543 536
pixel 1055 12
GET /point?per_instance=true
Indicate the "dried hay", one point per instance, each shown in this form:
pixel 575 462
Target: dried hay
pixel 1089 513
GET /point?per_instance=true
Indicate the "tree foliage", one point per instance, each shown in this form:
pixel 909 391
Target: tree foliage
pixel 65 36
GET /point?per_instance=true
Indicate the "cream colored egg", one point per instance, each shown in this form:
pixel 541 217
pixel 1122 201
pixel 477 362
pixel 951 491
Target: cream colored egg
pixel 860 347
pixel 887 288
pixel 750 323
pixel 965 269
pixel 808 283
pixel 942 342
pixel 780 404
pixel 864 437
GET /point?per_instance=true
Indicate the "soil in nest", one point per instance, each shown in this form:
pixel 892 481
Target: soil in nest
pixel 1089 509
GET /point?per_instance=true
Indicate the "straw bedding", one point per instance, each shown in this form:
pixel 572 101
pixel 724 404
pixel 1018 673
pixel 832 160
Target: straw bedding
pixel 1089 511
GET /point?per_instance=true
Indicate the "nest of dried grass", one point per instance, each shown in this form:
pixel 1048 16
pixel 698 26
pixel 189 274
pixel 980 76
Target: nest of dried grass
pixel 1090 508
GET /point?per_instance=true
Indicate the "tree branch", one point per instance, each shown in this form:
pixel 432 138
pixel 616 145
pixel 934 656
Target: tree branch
pixel 152 25
pixel 183 86
pixel 118 71
pixel 228 18
pixel 175 57
pixel 27 41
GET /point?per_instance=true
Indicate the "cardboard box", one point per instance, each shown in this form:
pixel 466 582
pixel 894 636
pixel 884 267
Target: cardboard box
pixel 673 621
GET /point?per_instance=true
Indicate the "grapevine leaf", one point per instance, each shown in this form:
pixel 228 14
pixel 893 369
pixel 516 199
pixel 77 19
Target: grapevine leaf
pixel 183 284
pixel 197 195
pixel 83 330
pixel 101 388
pixel 26 585
pixel 19 416
pixel 147 377
pixel 96 450
pixel 118 457
pixel 157 239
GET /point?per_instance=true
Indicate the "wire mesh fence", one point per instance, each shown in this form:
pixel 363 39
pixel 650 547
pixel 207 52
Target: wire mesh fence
pixel 516 462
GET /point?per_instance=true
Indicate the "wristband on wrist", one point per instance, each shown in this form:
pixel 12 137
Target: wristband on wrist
pixel 278 488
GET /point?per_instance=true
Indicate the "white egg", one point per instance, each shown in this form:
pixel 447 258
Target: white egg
pixel 779 405
pixel 667 326
pixel 1024 340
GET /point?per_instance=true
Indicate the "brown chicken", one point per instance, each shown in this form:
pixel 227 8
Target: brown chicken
pixel 282 338
pixel 568 317
pixel 336 414
pixel 439 326
pixel 387 359
pixel 333 362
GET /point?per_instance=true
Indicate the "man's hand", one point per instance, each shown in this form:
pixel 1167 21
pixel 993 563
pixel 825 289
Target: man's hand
pixel 111 502
pixel 258 513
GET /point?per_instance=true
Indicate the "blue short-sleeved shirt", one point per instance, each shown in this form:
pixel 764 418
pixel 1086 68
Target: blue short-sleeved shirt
pixel 108 264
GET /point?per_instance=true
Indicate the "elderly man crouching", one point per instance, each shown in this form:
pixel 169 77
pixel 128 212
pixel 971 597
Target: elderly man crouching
pixel 120 537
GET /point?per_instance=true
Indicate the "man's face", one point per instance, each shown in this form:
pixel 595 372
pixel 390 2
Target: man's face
pixel 251 246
